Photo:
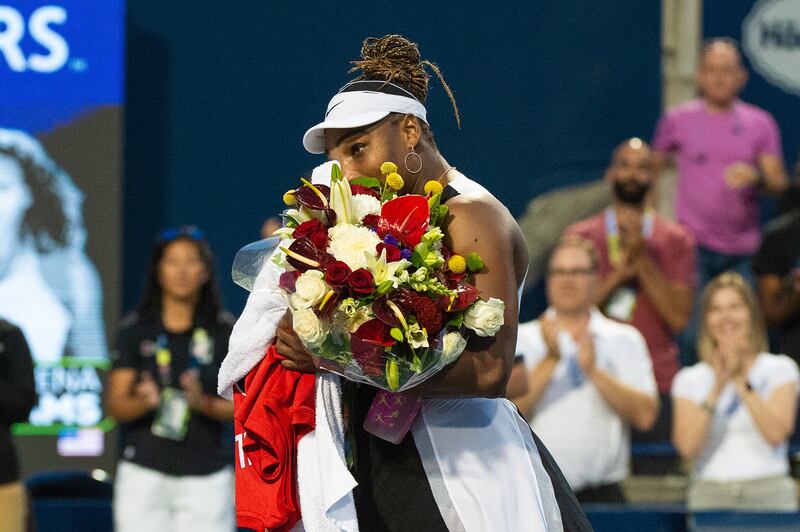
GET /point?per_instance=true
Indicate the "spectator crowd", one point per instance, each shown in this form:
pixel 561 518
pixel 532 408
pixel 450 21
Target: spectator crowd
pixel 656 330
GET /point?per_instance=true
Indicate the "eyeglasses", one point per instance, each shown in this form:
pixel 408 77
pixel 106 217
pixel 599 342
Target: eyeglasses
pixel 570 272
pixel 192 232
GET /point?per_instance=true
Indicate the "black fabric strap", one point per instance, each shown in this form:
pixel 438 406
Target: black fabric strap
pixel 376 85
pixel 449 193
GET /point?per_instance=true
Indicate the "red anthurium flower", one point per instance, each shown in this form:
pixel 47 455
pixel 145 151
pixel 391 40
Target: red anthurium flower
pixel 307 197
pixel 405 218
pixel 466 294
pixel 374 332
pixel 361 189
pixel 361 282
pixel 336 273
pixel 368 344
pixel 392 252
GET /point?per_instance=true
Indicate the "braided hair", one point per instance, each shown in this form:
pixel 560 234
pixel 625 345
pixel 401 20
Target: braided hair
pixel 395 59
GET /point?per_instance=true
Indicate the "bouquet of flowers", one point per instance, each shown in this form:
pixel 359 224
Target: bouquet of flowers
pixel 374 292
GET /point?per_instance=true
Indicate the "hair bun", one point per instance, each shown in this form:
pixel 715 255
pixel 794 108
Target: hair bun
pixel 395 59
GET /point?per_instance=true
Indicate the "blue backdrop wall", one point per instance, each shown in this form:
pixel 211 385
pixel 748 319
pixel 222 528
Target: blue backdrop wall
pixel 219 95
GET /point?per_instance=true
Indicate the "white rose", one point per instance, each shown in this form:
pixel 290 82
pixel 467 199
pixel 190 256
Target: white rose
pixel 485 317
pixel 364 204
pixel 310 289
pixel 309 328
pixel 453 345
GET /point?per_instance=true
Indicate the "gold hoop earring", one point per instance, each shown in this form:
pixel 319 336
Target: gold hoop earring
pixel 405 161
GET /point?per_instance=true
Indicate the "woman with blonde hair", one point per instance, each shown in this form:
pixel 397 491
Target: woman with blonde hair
pixel 734 410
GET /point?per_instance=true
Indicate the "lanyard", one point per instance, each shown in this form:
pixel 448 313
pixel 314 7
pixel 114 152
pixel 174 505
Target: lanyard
pixel 612 232
pixel 200 351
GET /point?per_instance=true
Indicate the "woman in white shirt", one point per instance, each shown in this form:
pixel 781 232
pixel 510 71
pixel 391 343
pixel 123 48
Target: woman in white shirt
pixel 735 410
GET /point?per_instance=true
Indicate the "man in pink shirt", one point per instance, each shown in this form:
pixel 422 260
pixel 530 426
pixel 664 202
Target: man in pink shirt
pixel 647 269
pixel 726 152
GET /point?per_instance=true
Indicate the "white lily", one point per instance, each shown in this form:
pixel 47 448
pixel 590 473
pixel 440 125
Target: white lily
pixel 387 271
pixel 342 202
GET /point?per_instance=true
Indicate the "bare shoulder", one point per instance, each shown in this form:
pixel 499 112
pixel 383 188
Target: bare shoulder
pixel 483 211
pixel 477 221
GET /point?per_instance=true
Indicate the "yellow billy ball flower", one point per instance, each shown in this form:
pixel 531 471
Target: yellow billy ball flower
pixel 288 198
pixel 394 180
pixel 457 264
pixel 388 167
pixel 433 187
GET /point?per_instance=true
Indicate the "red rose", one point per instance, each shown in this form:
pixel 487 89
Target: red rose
pixel 336 273
pixel 308 227
pixel 392 252
pixel 361 282
pixel 371 220
pixel 320 240
pixel 315 230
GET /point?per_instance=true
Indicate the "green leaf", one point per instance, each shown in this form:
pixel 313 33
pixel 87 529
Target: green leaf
pixel 421 248
pixel 438 214
pixel 371 182
pixel 457 321
pixel 416 259
pixel 433 201
pixel 474 262
pixel 336 173
pixel 290 220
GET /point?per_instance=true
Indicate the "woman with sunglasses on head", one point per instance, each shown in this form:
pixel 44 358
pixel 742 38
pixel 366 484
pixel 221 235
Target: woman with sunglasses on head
pixel 489 472
pixel 174 472
pixel 734 410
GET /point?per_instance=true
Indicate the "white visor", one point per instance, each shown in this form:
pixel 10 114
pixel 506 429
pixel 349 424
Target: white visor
pixel 357 108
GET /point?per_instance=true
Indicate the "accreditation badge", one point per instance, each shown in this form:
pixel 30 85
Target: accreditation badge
pixel 172 417
pixel 621 304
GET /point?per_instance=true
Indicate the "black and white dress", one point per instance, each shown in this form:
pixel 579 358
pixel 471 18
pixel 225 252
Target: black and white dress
pixel 466 465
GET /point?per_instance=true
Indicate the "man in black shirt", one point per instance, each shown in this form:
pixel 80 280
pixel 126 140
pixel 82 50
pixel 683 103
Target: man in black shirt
pixel 17 398
pixel 777 265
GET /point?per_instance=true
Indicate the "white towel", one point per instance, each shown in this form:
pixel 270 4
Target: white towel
pixel 324 482
pixel 253 331
pixel 255 328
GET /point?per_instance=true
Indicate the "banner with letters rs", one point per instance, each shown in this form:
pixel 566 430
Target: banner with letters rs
pixel 62 85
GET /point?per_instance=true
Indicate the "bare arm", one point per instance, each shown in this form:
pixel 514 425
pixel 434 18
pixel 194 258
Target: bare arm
pixel 203 403
pixel 635 407
pixel 775 416
pixel 780 303
pixel 486 227
pixel 775 177
pixel 128 400
pixel 609 284
pixel 690 427
pixel 518 381
pixel 672 300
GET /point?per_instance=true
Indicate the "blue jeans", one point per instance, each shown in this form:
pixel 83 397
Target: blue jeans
pixel 709 265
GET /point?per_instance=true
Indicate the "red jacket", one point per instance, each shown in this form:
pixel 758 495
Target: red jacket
pixel 275 410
